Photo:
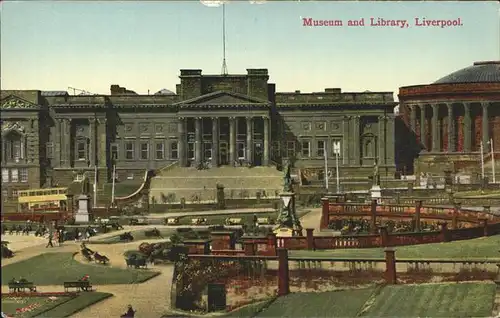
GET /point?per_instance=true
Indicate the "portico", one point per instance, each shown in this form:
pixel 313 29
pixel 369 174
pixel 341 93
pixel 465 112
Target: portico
pixel 235 132
pixel 224 140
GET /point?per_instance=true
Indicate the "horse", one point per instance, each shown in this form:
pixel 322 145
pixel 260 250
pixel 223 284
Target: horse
pixel 127 236
pixel 116 226
pixel 153 233
pixel 87 254
pixel 100 258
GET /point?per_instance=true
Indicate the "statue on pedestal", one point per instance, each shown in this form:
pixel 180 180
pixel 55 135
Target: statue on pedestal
pixel 376 175
pixel 287 179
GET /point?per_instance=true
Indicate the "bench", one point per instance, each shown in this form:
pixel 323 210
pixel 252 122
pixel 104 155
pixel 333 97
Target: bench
pixel 233 221
pixel 13 287
pixel 78 285
pixel 263 221
pixel 172 221
pixel 198 221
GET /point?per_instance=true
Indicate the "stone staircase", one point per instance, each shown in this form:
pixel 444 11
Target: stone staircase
pixel 200 186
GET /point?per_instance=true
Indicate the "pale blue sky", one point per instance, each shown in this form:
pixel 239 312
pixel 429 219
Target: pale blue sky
pixel 142 45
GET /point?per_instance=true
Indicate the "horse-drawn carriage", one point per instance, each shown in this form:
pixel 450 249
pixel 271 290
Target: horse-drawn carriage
pixel 153 233
pixel 136 261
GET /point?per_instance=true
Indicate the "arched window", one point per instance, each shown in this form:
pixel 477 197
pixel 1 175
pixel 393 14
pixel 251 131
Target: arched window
pixel 14 146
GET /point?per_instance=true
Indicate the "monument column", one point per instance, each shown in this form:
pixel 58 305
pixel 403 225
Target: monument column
pixel 215 141
pixel 423 131
pixel 93 139
pixel 436 145
pixel 232 140
pixel 467 128
pixel 485 127
pixel 198 142
pixel 451 128
pixel 413 118
pixel 356 141
pixel 249 140
pixel 381 140
pixel 266 141
pixel 181 127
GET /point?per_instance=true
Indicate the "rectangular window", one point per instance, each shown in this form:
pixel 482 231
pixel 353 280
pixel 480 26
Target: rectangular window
pixel 320 148
pixel 5 175
pixel 81 151
pixel 14 175
pixel 23 174
pixel 174 150
pixel 191 150
pixel 241 150
pixel 49 149
pixel 290 149
pixel 15 194
pixel 305 149
pixel 207 150
pixel 159 151
pixel 17 150
pixel 114 151
pixel 336 148
pixel 129 150
pixel 144 151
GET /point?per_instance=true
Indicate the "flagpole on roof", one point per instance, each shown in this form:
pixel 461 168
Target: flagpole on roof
pixel 224 65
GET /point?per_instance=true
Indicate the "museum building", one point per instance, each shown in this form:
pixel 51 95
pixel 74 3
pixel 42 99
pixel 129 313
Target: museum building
pixel 49 138
pixel 453 118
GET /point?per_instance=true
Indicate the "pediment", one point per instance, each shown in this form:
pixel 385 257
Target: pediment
pixel 223 98
pixel 8 127
pixel 13 102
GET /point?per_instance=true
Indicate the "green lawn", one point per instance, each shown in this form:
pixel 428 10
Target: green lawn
pixel 57 268
pixel 249 310
pixel 42 304
pixel 480 248
pixel 74 305
pixel 434 300
pixel 345 303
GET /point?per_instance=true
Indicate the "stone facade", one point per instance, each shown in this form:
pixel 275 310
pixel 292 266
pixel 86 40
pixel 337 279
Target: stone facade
pixel 50 137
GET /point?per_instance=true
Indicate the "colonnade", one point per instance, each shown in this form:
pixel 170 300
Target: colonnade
pixel 455 129
pixel 216 141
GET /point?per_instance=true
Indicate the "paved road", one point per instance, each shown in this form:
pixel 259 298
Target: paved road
pixel 210 212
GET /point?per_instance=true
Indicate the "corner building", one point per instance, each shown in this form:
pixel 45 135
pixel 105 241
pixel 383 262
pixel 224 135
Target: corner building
pixel 50 138
pixel 452 117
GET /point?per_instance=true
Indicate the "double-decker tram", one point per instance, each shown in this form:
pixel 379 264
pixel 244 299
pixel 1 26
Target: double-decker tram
pixel 49 200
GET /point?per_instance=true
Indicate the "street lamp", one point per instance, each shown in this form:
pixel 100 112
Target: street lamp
pixel 336 151
pixel 492 150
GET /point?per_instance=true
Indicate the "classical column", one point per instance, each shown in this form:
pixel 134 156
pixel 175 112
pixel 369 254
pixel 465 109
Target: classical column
pixel 181 128
pixel 381 140
pixel 451 128
pixel 66 142
pixel 198 141
pixel 485 127
pixel 390 140
pixel 232 140
pixel 345 140
pixel 93 138
pixel 413 118
pixel 101 142
pixel 356 141
pixel 58 141
pixel 266 141
pixel 436 145
pixel 249 156
pixel 423 132
pixel 467 128
pixel 215 141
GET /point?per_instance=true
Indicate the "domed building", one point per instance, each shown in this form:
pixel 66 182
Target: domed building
pixel 451 120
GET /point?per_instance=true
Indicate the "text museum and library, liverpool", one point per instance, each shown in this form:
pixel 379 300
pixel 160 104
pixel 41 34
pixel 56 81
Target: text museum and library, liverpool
pixel 226 120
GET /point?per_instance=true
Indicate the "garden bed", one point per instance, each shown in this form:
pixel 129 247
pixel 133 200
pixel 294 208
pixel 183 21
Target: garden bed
pixel 57 268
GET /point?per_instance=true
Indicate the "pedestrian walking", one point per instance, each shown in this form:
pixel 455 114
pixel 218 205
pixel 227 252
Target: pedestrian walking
pixel 50 240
